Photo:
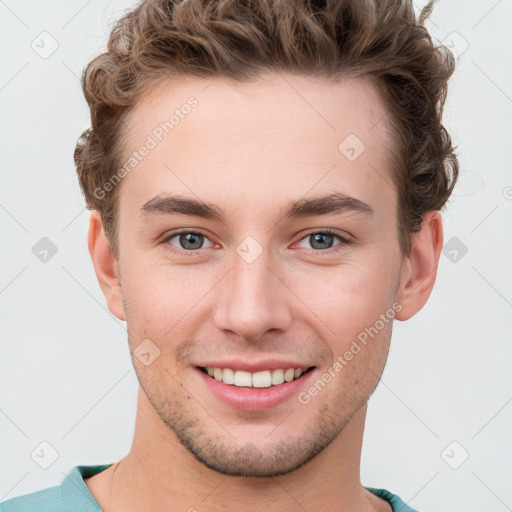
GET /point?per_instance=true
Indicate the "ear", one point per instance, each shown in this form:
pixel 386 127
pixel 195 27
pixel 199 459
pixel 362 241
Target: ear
pixel 419 269
pixel 105 265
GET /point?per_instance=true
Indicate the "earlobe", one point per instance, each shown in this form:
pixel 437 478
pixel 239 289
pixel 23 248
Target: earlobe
pixel 105 265
pixel 419 269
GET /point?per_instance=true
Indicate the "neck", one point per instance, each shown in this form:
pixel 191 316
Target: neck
pixel 159 474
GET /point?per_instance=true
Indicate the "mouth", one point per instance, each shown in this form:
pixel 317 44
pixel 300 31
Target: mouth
pixel 254 385
pixel 260 379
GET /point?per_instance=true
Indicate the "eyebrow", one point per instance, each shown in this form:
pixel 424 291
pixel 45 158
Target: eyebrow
pixel 324 205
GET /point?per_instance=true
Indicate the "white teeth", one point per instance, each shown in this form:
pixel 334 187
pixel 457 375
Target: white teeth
pixel 263 379
pixel 242 378
pixel 289 374
pixel 228 376
pixel 277 377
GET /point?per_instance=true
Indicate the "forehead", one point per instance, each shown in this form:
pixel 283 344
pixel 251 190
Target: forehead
pixel 280 136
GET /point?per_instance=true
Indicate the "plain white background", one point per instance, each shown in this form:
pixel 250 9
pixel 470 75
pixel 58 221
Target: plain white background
pixel 66 376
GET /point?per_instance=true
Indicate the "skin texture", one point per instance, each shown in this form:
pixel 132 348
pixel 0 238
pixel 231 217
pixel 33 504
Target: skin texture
pixel 252 149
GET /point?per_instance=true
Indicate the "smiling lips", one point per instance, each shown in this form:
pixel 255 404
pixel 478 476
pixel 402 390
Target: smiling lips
pixel 252 385
pixel 258 379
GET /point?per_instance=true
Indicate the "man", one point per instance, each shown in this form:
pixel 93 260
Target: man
pixel 265 180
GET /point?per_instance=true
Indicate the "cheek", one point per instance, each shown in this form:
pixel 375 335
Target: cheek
pixel 164 301
pixel 359 358
pixel 354 308
pixel 349 297
pixel 160 289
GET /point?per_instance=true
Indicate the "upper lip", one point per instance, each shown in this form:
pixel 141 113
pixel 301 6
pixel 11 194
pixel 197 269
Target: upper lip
pixel 253 366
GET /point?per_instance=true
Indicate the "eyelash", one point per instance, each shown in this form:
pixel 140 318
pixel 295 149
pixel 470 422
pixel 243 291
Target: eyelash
pixel 343 241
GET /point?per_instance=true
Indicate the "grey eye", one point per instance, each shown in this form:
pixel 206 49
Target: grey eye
pixel 321 240
pixel 188 240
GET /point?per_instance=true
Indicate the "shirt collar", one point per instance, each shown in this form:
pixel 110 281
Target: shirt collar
pixel 76 494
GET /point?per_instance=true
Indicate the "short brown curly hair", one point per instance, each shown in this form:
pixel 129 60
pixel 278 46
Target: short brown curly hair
pixel 242 39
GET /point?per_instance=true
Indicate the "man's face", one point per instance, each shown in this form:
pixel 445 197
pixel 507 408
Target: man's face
pixel 263 284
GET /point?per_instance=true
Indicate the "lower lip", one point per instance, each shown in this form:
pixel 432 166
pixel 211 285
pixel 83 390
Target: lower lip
pixel 254 399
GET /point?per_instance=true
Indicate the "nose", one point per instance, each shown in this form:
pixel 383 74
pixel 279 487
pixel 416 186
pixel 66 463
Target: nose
pixel 252 300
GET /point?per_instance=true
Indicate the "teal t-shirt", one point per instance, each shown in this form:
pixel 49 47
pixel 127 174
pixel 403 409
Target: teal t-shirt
pixel 72 495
